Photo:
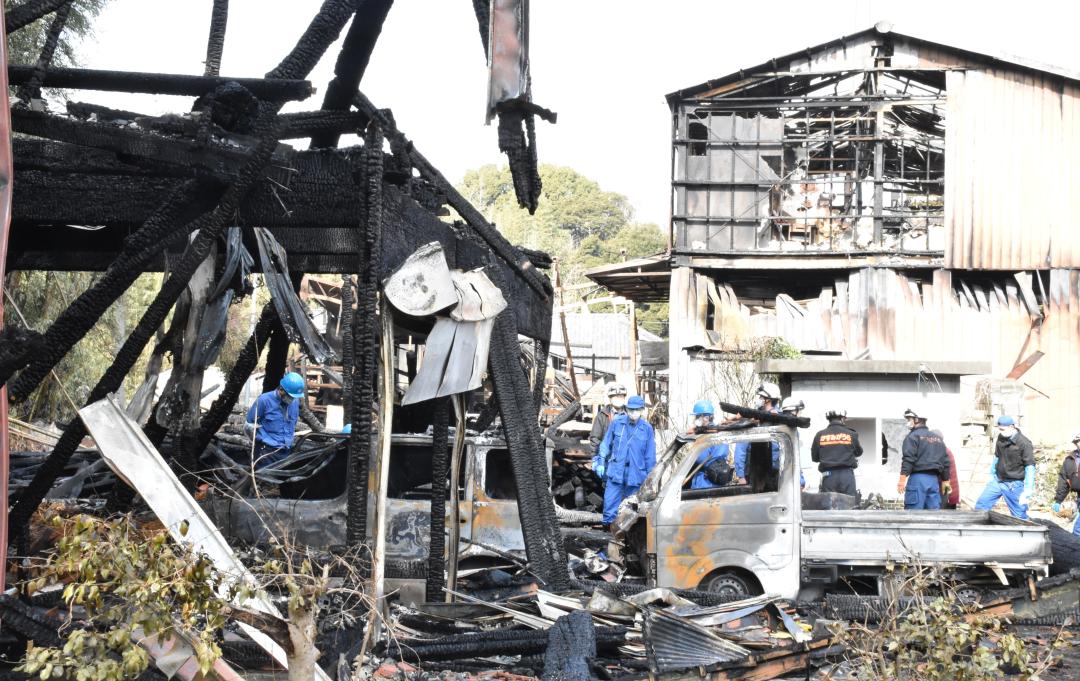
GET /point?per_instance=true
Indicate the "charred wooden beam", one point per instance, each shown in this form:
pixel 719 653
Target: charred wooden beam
pixel 352 62
pixel 268 89
pixel 496 241
pixel 29 12
pixel 213 160
pixel 324 29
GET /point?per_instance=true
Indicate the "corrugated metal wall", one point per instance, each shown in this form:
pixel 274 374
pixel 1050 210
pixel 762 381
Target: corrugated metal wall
pixel 890 316
pixel 1012 139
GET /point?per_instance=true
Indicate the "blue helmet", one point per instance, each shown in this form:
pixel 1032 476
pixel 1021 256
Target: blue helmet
pixel 347 429
pixel 1006 421
pixel 704 408
pixel 635 402
pixel 293 384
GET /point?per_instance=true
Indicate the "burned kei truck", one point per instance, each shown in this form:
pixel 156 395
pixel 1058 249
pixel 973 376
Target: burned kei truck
pixel 746 539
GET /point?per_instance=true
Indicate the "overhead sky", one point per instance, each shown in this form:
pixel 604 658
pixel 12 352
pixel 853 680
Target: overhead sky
pixel 603 65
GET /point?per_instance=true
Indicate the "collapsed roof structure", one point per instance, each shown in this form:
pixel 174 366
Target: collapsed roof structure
pixel 192 194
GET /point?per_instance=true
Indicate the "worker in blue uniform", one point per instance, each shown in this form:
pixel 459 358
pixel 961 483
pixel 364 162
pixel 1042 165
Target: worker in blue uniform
pixel 1069 480
pixel 1012 472
pixel 271 420
pixel 767 399
pixel 627 454
pixel 924 467
pixel 713 464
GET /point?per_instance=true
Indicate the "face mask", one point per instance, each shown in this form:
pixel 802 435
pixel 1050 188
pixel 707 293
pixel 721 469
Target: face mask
pixel 1007 432
pixel 286 399
pixel 635 414
pixel 618 402
pixel 759 403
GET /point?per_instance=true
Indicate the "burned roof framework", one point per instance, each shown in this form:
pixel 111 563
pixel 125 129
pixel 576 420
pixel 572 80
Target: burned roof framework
pixel 151 186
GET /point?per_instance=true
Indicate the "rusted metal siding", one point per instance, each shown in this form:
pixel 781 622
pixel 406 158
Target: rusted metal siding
pixel 1011 142
pixel 887 315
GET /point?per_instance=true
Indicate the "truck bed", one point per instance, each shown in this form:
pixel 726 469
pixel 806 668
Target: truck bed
pixel 957 537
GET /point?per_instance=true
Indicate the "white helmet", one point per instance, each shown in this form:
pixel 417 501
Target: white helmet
pixel 616 389
pixel 769 391
pixel 836 414
pixel 792 404
pixel 1076 438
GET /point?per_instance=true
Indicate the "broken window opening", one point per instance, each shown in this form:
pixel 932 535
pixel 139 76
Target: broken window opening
pixel 499 481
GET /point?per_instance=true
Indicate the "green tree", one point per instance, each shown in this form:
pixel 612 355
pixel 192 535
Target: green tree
pixel 577 222
pixel 25 44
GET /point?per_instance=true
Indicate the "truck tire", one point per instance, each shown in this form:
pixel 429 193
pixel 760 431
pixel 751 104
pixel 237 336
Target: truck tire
pixel 732 584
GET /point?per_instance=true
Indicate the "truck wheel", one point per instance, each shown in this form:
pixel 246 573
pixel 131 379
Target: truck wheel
pixel 732 585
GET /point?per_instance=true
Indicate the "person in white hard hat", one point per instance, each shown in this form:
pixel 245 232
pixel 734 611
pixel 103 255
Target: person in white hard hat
pixel 616 397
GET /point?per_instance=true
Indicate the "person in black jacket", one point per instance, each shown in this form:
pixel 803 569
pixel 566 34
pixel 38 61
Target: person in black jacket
pixel 925 466
pixel 836 450
pixel 1012 471
pixel 1069 480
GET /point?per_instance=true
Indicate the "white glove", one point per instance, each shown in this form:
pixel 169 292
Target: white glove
pixel 1025 497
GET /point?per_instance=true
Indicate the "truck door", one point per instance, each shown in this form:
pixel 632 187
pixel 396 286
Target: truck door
pixel 734 537
pixel 492 512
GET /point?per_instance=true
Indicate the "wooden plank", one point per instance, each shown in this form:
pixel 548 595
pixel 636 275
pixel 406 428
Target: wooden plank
pixel 1023 367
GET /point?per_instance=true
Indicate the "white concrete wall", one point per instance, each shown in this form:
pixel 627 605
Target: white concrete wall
pixel 880 399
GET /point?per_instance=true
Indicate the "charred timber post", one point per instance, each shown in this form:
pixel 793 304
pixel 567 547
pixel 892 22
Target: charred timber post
pixel 543 542
pixel 440 458
pixel 210 228
pixel 347 348
pixel 268 89
pixel 29 12
pixel 215 43
pixel 365 343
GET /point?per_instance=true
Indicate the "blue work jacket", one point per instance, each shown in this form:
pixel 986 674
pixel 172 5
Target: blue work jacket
pixel 629 450
pixel 699 481
pixel 277 423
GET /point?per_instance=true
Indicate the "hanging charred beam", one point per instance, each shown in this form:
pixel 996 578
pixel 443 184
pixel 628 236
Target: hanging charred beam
pixel 238 377
pixel 29 12
pixel 267 89
pixel 210 228
pixel 366 343
pixel 352 62
pixel 278 354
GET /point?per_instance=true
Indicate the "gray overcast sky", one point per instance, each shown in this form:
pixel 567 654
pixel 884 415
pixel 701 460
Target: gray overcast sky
pixel 603 65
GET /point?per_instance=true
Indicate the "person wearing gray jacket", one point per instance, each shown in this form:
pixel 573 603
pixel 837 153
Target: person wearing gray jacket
pixel 616 396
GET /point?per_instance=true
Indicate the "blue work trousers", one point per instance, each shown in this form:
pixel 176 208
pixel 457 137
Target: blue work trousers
pixel 268 455
pixel 1011 490
pixel 1076 525
pixel 923 492
pixel 614 493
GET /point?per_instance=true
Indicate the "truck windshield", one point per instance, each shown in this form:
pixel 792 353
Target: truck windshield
pixel 722 470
